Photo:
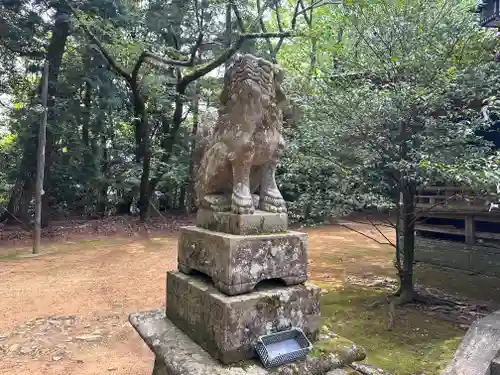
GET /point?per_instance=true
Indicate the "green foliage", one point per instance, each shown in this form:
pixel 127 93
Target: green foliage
pixel 401 103
pixel 359 72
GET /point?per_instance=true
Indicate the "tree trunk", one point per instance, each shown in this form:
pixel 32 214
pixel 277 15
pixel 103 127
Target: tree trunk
pixel 86 115
pixel 190 194
pixel 40 162
pixel 103 190
pixel 182 199
pixel 139 122
pixel 168 141
pixel 87 101
pixel 314 46
pixel 25 184
pixel 61 33
pixel 144 190
pixel 228 30
pixel 123 207
pixel 407 291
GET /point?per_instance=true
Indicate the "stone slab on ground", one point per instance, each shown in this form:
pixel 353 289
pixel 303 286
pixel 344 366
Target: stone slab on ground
pixel 340 371
pixel 237 263
pixel 228 326
pixel 261 222
pixel 495 366
pixel 366 369
pixel 479 347
pixel 177 354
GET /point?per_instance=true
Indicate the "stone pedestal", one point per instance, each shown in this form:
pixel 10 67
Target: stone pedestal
pixel 237 263
pixel 177 354
pixel 241 276
pixel 218 298
pixel 228 326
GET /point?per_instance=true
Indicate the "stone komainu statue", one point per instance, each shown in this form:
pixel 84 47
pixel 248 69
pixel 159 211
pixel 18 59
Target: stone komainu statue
pixel 238 155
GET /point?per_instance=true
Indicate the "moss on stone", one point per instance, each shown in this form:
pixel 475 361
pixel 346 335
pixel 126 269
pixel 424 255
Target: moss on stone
pixel 343 349
pixel 270 304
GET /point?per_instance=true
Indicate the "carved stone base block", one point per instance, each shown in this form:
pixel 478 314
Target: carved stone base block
pixel 237 263
pixel 260 222
pixel 228 326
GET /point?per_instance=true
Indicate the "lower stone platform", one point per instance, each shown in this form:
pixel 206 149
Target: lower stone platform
pixel 228 326
pixel 177 354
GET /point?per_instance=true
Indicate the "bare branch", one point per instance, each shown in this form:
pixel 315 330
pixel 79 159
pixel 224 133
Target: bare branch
pixel 37 55
pixel 175 38
pixel 264 29
pixel 304 12
pixel 390 223
pixel 381 233
pixel 137 67
pixel 130 78
pixel 239 19
pixel 421 213
pixel 280 26
pixel 102 50
pixel 364 235
pixel 318 4
pixel 205 69
pixel 24 225
pixel 369 223
pixel 199 17
pixel 168 61
pixel 278 16
pixel 258 19
pixel 295 15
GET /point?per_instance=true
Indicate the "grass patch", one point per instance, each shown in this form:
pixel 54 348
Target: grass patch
pixel 417 343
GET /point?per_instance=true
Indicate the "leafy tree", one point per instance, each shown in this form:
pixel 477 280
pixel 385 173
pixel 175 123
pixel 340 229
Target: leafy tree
pixel 125 78
pixel 397 109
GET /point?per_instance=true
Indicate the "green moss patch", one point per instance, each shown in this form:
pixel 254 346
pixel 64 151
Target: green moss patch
pixel 417 343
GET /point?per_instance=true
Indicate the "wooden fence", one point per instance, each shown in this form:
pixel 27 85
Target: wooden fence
pixel 462 206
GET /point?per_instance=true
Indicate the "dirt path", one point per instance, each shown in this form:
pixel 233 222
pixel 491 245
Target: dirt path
pixel 66 312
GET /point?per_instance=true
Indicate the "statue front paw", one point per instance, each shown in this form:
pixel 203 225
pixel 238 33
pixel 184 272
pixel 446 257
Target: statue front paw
pixel 242 204
pixel 273 204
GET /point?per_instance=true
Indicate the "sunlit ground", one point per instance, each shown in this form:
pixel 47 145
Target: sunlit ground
pixel 101 277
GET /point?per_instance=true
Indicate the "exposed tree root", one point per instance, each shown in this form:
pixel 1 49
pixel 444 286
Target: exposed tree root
pixel 399 299
pixel 392 315
pixel 383 301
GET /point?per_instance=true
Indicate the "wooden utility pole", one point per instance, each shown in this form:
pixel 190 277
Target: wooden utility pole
pixel 40 161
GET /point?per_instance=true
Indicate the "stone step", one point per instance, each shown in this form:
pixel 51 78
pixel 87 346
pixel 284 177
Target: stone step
pixel 228 326
pixel 495 366
pixel 238 263
pixel 176 354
